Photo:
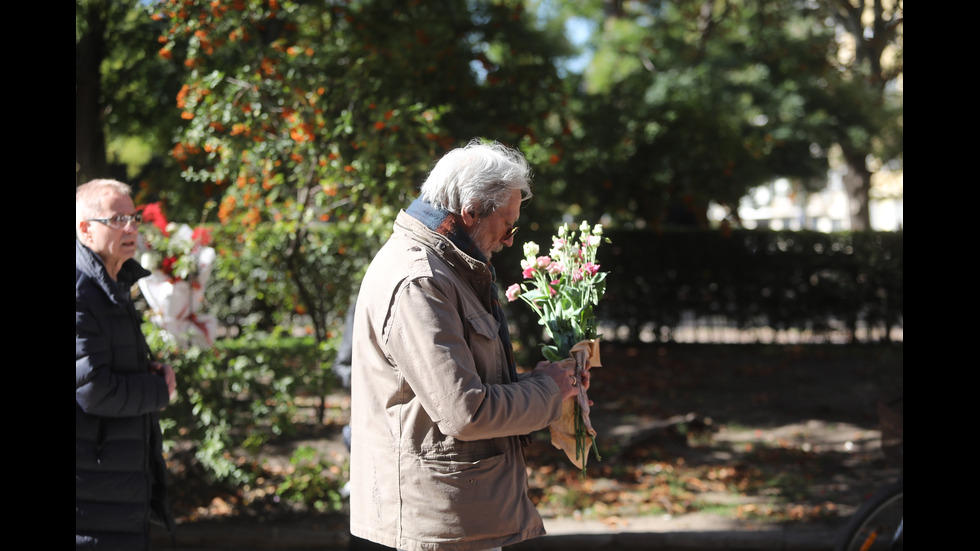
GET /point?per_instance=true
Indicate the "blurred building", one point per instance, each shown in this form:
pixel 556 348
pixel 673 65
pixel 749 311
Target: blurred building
pixel 785 205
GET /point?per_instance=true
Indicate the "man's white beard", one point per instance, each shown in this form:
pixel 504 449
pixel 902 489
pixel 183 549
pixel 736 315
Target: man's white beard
pixel 482 242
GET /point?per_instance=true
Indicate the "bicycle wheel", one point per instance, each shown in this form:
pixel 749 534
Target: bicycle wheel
pixel 878 524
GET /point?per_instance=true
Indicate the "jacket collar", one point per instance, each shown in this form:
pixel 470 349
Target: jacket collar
pixel 446 234
pixel 91 265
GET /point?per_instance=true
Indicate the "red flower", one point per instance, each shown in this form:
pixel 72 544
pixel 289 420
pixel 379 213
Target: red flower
pixel 153 213
pixel 167 265
pixel 201 236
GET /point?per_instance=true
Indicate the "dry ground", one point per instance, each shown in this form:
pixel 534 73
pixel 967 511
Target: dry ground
pixel 765 434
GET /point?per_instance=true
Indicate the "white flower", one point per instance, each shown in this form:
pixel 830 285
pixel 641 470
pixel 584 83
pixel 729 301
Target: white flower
pixel 150 260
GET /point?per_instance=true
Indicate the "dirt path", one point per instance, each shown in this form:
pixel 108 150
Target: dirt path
pixel 758 435
pixel 778 433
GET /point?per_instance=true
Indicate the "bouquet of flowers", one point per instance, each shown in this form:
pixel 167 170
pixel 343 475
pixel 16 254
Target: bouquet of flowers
pixel 181 261
pixel 563 287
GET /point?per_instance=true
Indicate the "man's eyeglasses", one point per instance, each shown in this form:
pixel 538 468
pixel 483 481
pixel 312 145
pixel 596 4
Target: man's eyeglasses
pixel 513 229
pixel 120 221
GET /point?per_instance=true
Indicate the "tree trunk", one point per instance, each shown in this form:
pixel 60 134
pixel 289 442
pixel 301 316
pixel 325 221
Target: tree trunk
pixel 612 8
pixel 90 156
pixel 857 182
pixel 872 38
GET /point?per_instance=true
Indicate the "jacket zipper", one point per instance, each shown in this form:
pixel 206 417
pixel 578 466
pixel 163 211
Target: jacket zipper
pixel 100 440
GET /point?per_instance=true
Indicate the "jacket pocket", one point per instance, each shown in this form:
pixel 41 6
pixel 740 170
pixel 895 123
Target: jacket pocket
pixel 484 325
pixel 466 499
pixel 486 347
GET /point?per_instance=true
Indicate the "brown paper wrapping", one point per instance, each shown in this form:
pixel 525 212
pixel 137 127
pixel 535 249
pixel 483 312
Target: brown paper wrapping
pixel 563 430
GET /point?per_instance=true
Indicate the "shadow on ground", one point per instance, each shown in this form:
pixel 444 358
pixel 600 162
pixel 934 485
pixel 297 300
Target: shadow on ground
pixel 748 437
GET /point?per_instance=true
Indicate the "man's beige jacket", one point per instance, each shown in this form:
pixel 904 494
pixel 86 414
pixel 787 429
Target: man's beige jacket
pixel 436 459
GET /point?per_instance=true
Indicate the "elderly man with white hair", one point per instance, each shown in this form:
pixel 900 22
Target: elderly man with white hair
pixel 119 390
pixel 439 413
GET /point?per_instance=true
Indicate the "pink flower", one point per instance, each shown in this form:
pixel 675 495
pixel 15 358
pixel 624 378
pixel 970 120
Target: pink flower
pixel 590 268
pixel 543 261
pixel 577 274
pixel 552 288
pixel 555 268
pixel 528 272
pixel 513 292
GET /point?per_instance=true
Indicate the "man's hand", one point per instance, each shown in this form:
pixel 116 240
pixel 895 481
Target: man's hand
pixel 167 372
pixel 563 373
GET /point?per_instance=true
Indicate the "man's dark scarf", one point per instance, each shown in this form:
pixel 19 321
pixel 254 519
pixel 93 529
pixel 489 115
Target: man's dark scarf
pixel 448 224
